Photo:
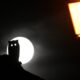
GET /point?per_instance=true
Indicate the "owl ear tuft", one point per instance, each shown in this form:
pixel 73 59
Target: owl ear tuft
pixel 16 40
pixel 9 41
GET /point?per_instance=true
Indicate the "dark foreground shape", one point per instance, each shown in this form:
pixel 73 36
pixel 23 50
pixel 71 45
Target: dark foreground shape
pixel 12 70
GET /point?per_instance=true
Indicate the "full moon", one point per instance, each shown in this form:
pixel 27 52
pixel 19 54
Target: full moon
pixel 26 49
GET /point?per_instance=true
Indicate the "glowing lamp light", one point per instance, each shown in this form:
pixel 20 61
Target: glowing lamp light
pixel 74 9
pixel 26 49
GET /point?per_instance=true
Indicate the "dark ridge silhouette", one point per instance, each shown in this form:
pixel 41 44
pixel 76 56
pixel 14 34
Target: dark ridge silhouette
pixel 10 67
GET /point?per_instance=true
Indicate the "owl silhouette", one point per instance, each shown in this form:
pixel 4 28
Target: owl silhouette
pixel 13 49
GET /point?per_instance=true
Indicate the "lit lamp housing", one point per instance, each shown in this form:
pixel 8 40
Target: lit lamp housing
pixel 74 9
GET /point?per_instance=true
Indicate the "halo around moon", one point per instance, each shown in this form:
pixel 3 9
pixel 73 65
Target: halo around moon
pixel 26 49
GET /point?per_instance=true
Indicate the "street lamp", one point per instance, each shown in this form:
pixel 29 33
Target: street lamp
pixel 74 9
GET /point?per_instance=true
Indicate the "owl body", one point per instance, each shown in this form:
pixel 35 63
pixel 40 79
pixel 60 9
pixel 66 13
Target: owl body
pixel 13 49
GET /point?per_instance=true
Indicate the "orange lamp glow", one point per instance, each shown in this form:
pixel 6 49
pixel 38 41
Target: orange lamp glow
pixel 74 9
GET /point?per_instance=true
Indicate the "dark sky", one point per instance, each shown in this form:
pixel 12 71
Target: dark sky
pixel 48 25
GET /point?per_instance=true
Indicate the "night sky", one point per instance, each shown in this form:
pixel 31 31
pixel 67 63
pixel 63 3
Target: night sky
pixel 48 25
